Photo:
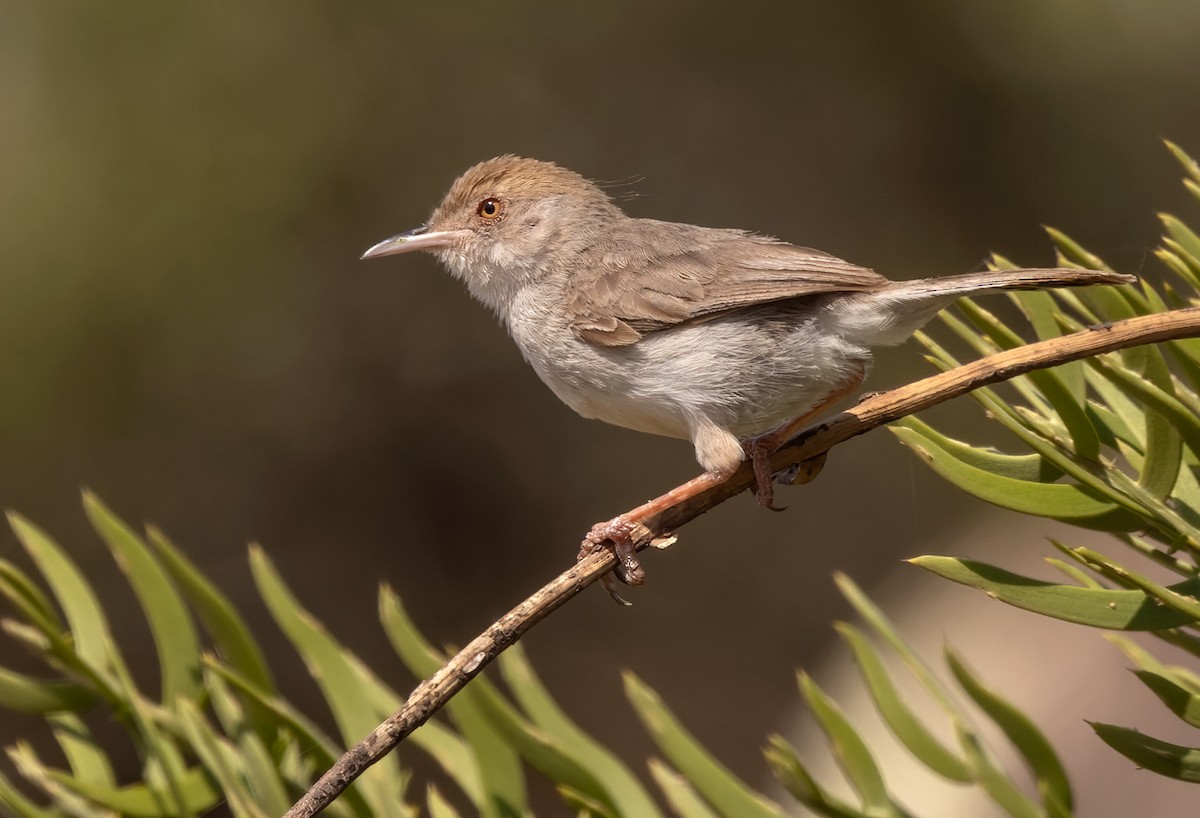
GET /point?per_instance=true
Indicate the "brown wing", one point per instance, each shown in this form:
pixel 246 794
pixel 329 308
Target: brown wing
pixel 652 275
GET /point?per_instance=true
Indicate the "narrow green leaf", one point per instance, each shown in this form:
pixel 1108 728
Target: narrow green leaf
pixel 439 807
pixel 849 750
pixel 453 755
pixel 164 770
pixel 499 765
pixel 1131 610
pixel 626 793
pixel 1149 753
pixel 899 718
pixel 64 800
pixel 88 761
pixel 1179 700
pixel 316 747
pixel 258 768
pixel 1183 235
pixel 798 781
pixel 198 789
pixel 1029 741
pixel 721 788
pixel 1062 397
pixel 339 683
pixel 1172 255
pixel 1043 312
pixel 1074 252
pixel 85 617
pixel 995 783
pixel 1190 166
pixel 219 760
pixel 1183 603
pixel 27 597
pixel 1019 467
pixel 1059 501
pixel 542 751
pixel 681 797
pixel 1163 439
pixel 13 799
pixel 170 623
pixel 230 635
pixel 583 806
pixel 25 694
pixel 879 622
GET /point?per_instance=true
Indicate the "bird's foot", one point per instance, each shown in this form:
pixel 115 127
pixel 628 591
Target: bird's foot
pixel 617 535
pixel 759 450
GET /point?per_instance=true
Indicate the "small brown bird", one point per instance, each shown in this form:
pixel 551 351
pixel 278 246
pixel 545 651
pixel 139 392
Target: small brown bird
pixel 726 338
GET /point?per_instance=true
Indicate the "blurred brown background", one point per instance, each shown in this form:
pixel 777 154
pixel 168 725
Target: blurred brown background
pixel 185 327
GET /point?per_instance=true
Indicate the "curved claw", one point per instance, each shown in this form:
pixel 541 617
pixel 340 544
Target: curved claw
pixel 616 534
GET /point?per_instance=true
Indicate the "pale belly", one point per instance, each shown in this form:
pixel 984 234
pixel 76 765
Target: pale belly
pixel 739 376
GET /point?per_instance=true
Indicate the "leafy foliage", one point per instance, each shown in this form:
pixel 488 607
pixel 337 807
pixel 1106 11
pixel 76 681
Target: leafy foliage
pixel 1113 444
pixel 222 733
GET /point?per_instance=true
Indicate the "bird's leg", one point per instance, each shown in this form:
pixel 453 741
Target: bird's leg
pixel 623 532
pixel 759 449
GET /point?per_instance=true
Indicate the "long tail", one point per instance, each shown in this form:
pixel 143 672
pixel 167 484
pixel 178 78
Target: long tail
pixel 1026 278
pixel 890 315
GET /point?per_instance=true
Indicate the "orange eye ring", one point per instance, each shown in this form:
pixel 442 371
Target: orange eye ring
pixel 490 209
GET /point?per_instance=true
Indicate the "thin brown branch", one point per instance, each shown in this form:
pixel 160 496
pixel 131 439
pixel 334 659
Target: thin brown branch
pixel 874 411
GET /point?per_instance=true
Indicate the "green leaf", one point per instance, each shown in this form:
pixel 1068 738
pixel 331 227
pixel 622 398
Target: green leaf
pixel 1074 252
pixel 220 760
pixel 25 694
pixel 1044 313
pixel 1131 610
pixel 499 765
pixel 12 799
pixel 1183 603
pixel 627 795
pixel 899 718
pixel 230 635
pixel 797 780
pixel 879 622
pixel 1062 397
pixel 259 769
pixel 1149 753
pixel 1058 501
pixel 1019 467
pixel 1190 166
pixel 995 783
pixel 542 751
pixel 316 746
pixel 680 795
pixel 1030 742
pixel 439 807
pixel 170 624
pixel 721 788
pixel 28 598
pixel 341 686
pixel 1181 701
pixel 88 761
pixel 199 794
pixel 849 750
pixel 85 617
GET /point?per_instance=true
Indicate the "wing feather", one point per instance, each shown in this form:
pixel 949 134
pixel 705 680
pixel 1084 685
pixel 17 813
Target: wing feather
pixel 653 275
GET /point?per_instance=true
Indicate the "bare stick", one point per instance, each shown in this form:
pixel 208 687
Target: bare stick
pixel 433 693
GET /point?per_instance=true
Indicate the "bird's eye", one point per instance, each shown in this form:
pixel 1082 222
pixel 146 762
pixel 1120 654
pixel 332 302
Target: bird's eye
pixel 489 209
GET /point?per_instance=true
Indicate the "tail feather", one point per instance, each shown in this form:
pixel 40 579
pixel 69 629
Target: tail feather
pixel 891 315
pixel 1025 278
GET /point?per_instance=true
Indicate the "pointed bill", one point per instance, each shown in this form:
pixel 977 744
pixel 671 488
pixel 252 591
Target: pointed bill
pixel 422 238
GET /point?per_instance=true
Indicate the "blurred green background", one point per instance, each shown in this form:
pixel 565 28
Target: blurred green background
pixel 185 327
